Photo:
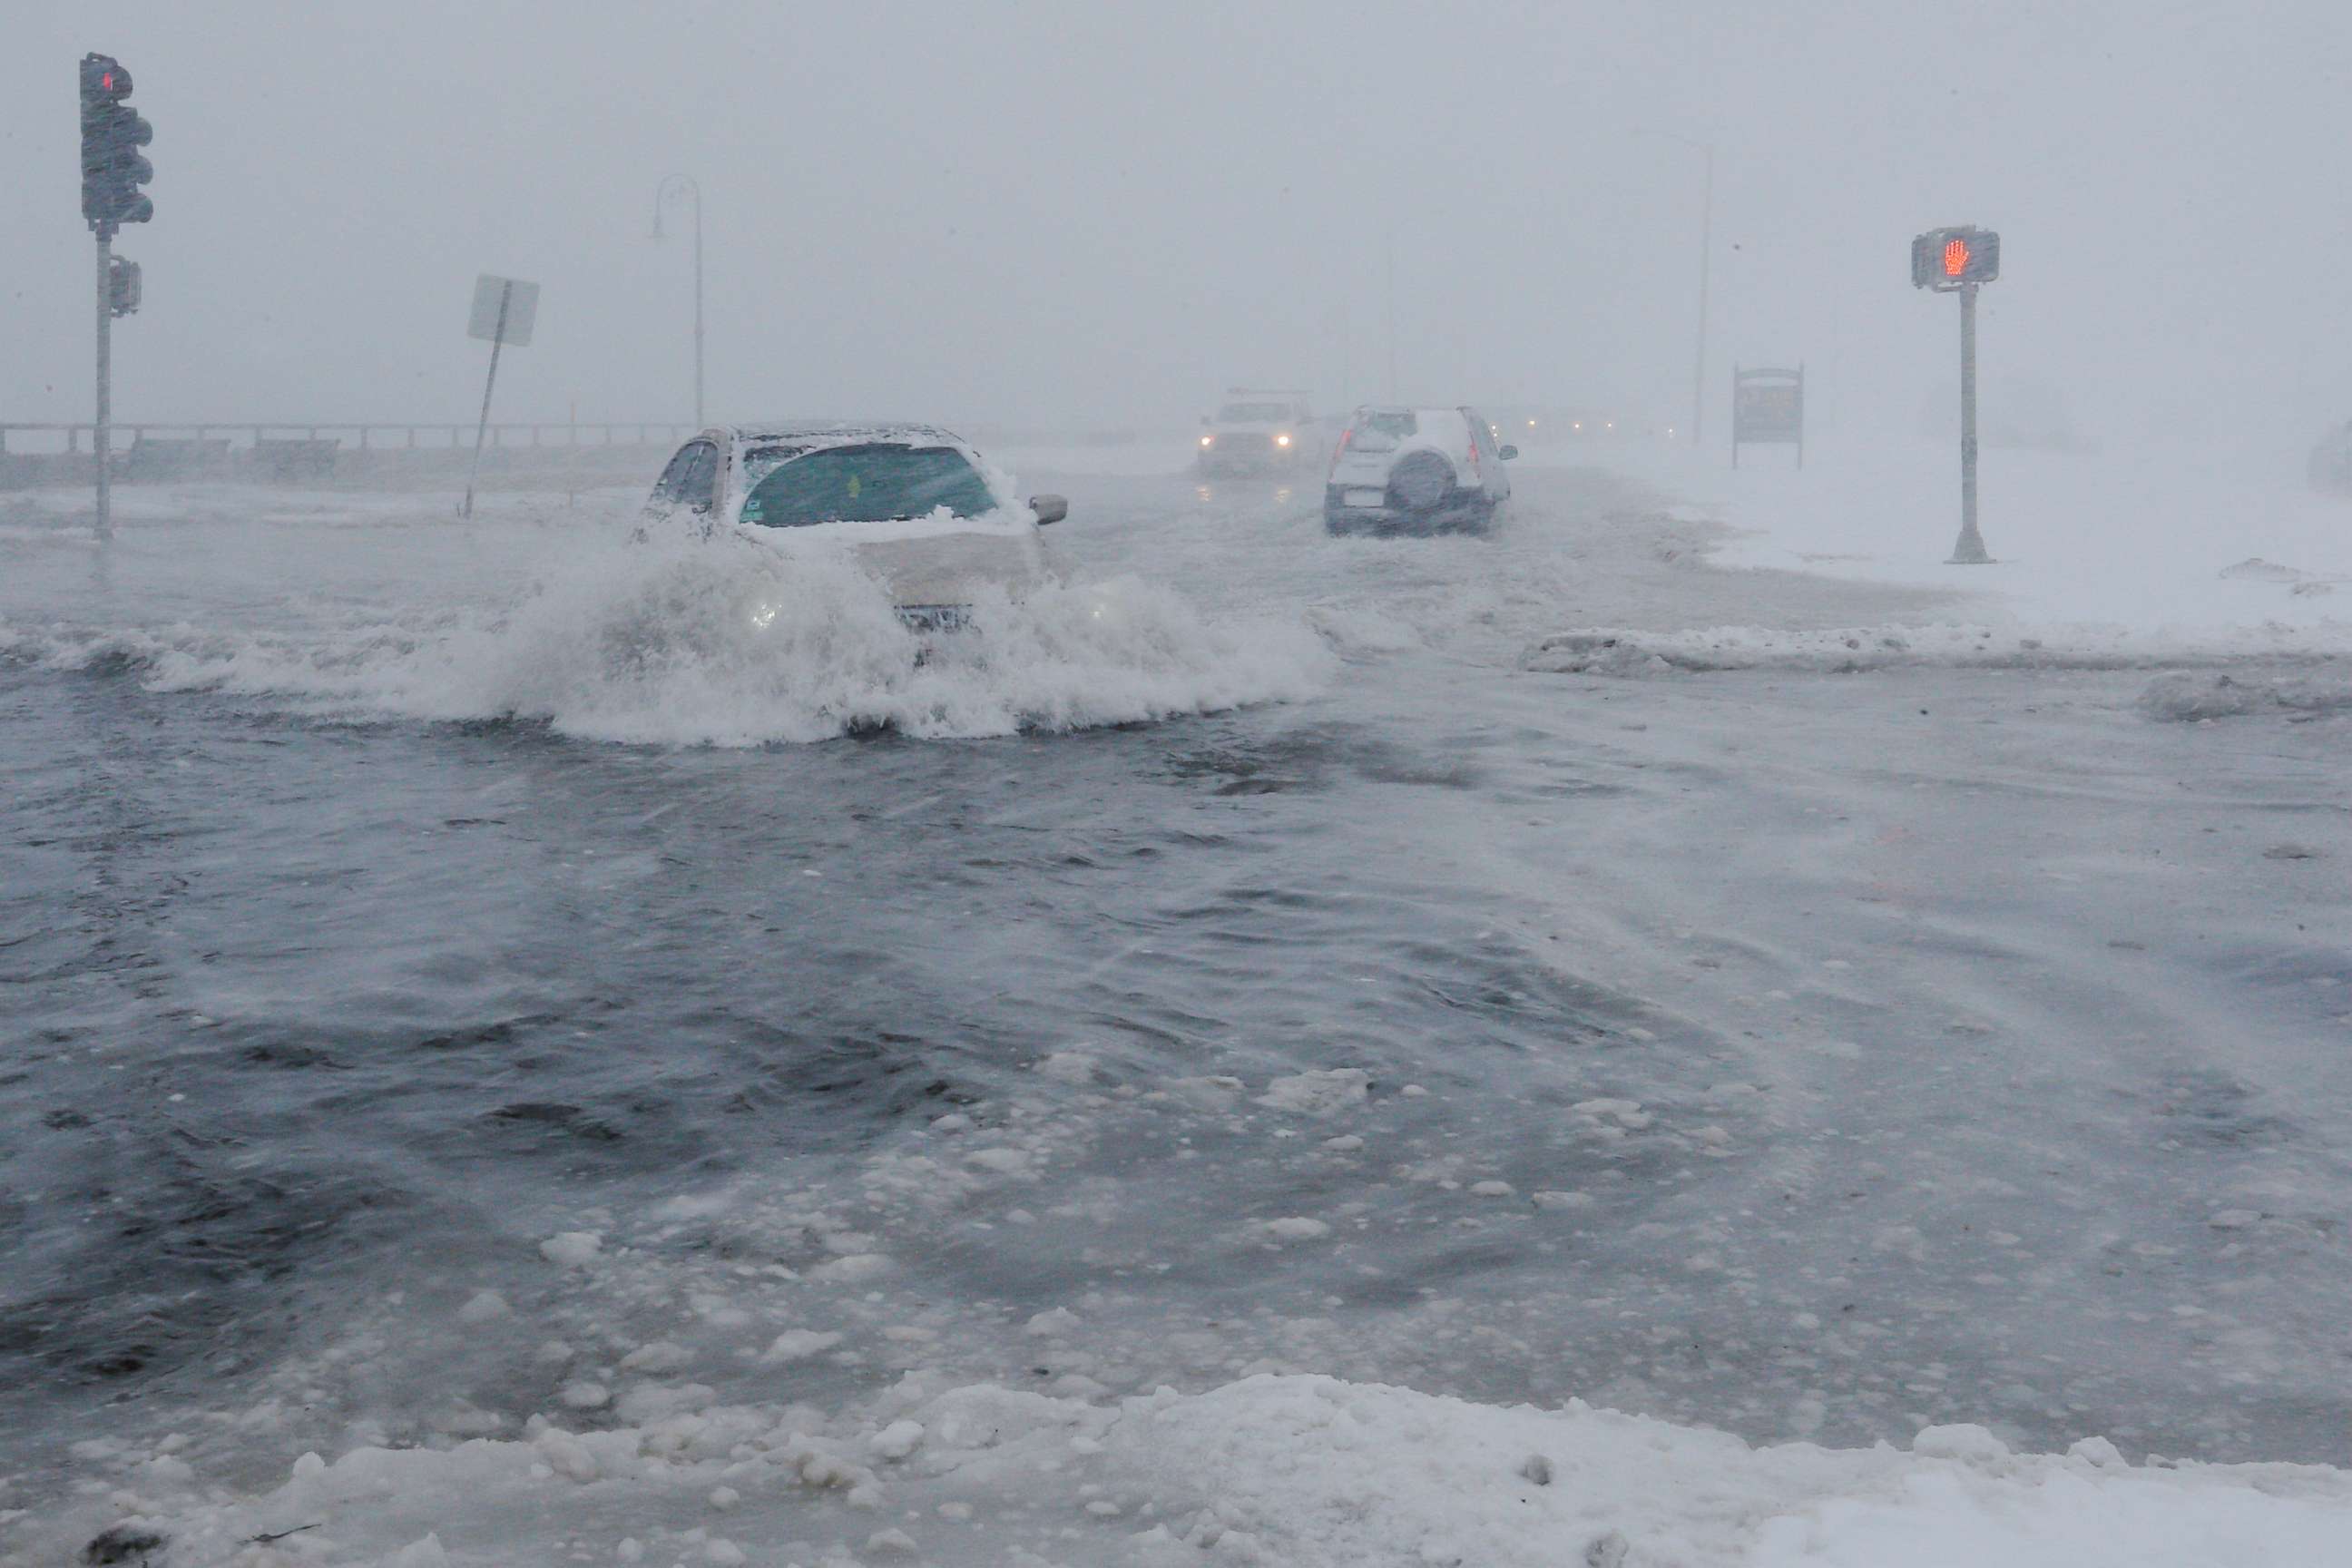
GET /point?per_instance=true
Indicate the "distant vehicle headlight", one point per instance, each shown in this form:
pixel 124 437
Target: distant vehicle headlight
pixel 1207 440
pixel 1282 440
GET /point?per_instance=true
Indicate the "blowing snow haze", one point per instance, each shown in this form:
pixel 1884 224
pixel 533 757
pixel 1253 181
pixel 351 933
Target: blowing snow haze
pixel 1200 886
pixel 1085 216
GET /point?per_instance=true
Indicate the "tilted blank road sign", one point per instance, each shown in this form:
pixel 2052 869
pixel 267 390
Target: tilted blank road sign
pixel 522 307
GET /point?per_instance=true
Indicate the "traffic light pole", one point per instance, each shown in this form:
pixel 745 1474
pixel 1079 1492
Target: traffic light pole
pixel 1970 549
pixel 102 434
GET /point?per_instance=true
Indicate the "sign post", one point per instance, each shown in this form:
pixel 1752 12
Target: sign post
pixel 1768 406
pixel 505 309
pixel 1956 260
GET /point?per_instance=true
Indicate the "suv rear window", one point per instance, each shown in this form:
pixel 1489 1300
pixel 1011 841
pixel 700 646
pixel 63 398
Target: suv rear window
pixel 1397 423
pixel 873 483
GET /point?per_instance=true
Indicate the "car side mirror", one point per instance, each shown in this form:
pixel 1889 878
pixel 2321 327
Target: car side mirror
pixel 1508 452
pixel 1049 509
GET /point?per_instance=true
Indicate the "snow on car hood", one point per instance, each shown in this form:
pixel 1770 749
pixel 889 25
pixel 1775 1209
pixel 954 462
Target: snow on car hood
pixel 941 558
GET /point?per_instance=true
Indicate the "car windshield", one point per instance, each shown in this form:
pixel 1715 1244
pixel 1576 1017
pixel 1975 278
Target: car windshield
pixel 1251 413
pixel 873 483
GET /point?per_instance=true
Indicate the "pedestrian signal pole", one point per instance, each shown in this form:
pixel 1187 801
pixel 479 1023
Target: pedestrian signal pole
pixel 1959 260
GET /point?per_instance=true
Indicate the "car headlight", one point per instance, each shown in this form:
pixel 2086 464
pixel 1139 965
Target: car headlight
pixel 1205 440
pixel 1282 440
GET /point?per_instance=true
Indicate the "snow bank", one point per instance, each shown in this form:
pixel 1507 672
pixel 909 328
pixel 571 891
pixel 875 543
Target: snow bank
pixel 1302 1472
pixel 2175 538
pixel 2197 695
pixel 1618 651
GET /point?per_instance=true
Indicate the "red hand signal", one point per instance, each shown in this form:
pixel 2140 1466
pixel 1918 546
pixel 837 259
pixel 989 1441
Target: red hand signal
pixel 1956 257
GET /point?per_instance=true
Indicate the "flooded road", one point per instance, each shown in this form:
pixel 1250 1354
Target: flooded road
pixel 430 1003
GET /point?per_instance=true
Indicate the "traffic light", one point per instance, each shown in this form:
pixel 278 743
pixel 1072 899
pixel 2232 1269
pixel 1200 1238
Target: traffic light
pixel 1952 257
pixel 112 168
pixel 122 286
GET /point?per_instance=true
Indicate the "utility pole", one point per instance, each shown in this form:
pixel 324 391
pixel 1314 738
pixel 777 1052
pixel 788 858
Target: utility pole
pixel 1391 253
pixel 1706 258
pixel 685 185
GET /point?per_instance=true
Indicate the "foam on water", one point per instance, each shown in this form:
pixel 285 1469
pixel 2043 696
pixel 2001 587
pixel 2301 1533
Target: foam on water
pixel 683 644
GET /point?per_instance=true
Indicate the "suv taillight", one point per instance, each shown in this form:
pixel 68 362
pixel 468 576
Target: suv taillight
pixel 1341 449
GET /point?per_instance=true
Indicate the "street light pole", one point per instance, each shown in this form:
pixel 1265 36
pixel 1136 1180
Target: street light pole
pixel 1391 311
pixel 684 184
pixel 1705 257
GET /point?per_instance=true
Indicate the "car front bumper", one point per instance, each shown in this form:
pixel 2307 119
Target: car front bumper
pixel 1247 454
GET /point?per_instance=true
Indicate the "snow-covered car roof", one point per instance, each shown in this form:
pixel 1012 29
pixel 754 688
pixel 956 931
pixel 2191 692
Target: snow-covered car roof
pixel 815 434
pixel 1415 409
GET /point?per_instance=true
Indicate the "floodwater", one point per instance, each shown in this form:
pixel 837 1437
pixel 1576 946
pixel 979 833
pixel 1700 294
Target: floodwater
pixel 1802 1053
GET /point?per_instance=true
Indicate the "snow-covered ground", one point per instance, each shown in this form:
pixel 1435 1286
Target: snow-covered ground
pixel 1548 1051
pixel 1301 1472
pixel 2162 539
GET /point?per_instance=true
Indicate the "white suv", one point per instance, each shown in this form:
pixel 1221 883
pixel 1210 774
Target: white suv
pixel 1415 468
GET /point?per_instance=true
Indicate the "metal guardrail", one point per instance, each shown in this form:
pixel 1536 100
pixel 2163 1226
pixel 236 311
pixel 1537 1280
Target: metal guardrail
pixel 619 432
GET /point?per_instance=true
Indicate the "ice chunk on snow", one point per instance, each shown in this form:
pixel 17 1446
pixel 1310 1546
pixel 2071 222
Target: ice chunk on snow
pixel 1068 1067
pixel 565 1454
pixel 1322 1093
pixel 1218 1092
pixel 799 1344
pixel 425 1553
pixel 850 1270
pixel 1559 1200
pixel 1058 1320
pixel 897 1440
pixel 656 1356
pixel 572 1247
pixel 1969 1444
pixel 482 1307
pixel 1297 1227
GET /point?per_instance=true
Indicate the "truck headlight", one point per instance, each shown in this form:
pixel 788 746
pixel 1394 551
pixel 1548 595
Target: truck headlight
pixel 1282 440
pixel 1205 440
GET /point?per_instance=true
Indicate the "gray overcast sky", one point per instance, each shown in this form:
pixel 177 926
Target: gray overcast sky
pixel 1102 214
